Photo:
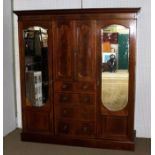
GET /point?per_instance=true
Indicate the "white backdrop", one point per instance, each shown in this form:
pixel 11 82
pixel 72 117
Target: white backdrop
pixel 143 67
pixel 9 118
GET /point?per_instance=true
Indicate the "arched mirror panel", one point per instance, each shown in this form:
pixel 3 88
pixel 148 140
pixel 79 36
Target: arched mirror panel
pixel 36 65
pixel 115 74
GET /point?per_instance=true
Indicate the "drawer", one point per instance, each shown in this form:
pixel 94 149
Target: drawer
pixel 63 86
pixel 86 99
pixel 74 86
pixel 64 112
pixel 64 98
pixel 76 99
pixel 64 127
pixel 75 112
pixel 84 87
pixel 86 113
pixel 85 129
pixel 75 128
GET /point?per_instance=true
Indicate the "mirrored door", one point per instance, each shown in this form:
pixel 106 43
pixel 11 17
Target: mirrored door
pixel 36 65
pixel 114 72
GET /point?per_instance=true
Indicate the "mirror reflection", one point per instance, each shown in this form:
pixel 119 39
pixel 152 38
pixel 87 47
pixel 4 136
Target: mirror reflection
pixel 115 75
pixel 36 65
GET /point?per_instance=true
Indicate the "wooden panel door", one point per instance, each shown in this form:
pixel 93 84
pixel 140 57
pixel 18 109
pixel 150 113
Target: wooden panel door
pixel 113 123
pixel 35 74
pixel 63 46
pixel 85 56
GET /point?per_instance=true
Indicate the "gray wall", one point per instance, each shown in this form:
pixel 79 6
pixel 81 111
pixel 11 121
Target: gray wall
pixel 9 121
pixel 143 67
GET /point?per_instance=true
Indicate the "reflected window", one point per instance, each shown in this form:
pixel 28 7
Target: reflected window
pixel 36 65
pixel 115 51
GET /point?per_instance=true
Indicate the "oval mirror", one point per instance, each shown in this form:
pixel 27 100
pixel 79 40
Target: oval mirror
pixel 115 75
pixel 36 65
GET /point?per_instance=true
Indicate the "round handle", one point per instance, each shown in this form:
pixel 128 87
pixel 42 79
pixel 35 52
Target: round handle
pixel 64 98
pixel 85 87
pixel 86 98
pixel 65 127
pixel 85 128
pixel 64 86
pixel 65 112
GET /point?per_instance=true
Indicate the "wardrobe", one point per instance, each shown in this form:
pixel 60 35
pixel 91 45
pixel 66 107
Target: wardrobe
pixel 77 75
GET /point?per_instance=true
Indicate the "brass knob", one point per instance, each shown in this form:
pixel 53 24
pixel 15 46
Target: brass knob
pixel 64 86
pixel 86 98
pixel 85 128
pixel 85 87
pixel 65 112
pixel 64 98
pixel 65 127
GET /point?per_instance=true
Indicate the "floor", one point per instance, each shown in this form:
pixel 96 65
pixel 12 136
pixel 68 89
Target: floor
pixel 12 145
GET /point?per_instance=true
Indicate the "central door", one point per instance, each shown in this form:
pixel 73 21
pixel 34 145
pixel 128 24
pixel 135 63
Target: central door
pixel 74 78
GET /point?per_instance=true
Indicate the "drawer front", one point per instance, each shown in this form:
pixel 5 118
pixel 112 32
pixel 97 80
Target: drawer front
pixel 74 99
pixel 64 112
pixel 74 86
pixel 64 99
pixel 63 86
pixel 84 87
pixel 86 99
pixel 86 113
pixel 85 129
pixel 64 127
pixel 76 112
pixel 75 128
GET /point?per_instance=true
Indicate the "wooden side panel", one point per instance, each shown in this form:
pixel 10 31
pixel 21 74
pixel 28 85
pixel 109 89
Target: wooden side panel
pixel 85 50
pixel 36 119
pixel 114 127
pixel 38 122
pixel 63 44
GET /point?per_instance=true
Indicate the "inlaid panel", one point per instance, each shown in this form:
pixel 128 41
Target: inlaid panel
pixel 114 127
pixel 37 121
pixel 85 50
pixel 63 43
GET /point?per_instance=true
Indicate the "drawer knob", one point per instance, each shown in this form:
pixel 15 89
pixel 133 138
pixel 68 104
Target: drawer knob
pixel 64 86
pixel 85 87
pixel 65 112
pixel 64 98
pixel 85 128
pixel 86 98
pixel 65 127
